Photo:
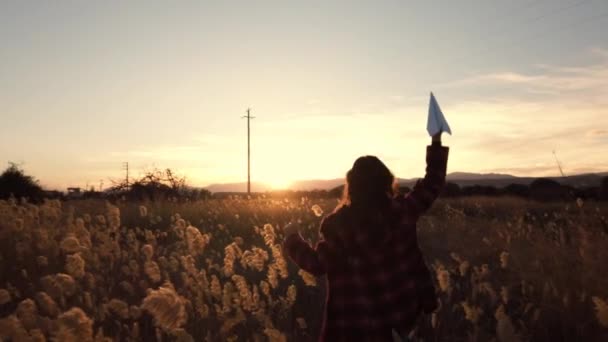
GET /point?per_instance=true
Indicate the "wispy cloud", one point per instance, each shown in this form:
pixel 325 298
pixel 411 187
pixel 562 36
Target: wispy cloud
pixel 550 79
pixel 598 133
pixel 528 114
pixel 514 130
pixel 525 170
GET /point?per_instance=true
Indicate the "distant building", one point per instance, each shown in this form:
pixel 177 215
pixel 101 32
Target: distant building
pixel 74 193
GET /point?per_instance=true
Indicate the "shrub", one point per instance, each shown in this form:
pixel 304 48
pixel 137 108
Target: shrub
pixel 14 182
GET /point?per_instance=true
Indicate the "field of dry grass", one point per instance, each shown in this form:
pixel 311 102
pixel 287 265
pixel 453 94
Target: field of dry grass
pixel 506 270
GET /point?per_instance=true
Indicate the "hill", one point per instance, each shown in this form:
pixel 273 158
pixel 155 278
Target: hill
pixel 461 178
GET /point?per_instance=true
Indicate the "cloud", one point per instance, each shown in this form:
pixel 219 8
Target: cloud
pixel 550 80
pixel 529 170
pixel 503 77
pixel 597 133
pixel 506 121
pixel 163 153
pixel 517 118
pixel 588 169
pixel 548 170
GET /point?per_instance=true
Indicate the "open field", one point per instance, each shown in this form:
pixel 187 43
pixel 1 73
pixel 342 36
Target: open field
pixel 506 270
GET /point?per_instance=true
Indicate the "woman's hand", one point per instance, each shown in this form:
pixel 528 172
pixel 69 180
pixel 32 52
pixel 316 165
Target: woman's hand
pixel 291 228
pixel 437 137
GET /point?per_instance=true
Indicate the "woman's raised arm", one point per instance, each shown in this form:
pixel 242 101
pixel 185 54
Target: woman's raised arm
pixel 426 190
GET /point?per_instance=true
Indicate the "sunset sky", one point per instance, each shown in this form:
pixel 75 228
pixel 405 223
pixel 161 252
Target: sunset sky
pixel 86 86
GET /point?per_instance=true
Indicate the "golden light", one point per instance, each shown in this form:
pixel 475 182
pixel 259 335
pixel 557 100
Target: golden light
pixel 279 184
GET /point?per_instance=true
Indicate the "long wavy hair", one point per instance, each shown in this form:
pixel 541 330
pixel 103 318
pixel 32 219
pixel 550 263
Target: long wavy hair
pixel 369 185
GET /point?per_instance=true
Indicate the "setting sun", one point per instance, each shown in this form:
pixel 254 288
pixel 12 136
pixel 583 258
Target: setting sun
pixel 279 184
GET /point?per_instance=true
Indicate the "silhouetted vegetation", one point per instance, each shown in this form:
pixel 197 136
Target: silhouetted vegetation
pixel 545 189
pixel 451 190
pixel 603 193
pixel 158 185
pixel 165 184
pixel 517 190
pixel 541 189
pixel 14 182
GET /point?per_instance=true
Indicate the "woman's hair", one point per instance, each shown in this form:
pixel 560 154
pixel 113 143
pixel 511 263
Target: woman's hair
pixel 369 184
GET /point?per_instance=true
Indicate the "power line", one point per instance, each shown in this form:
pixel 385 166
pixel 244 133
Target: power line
pixel 536 36
pixel 546 14
pixel 497 31
pixel 488 38
pixel 560 9
pixel 580 22
pixel 503 15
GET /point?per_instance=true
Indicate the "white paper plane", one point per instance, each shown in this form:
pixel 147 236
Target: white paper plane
pixel 436 122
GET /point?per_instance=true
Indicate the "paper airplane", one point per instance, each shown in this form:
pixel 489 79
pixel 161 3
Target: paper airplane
pixel 436 122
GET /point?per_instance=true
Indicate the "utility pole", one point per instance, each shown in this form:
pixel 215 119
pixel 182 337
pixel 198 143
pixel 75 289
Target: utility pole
pixel 559 165
pixel 249 117
pixel 125 166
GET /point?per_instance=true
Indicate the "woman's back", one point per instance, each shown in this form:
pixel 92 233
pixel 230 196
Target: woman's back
pixel 376 273
pixel 377 279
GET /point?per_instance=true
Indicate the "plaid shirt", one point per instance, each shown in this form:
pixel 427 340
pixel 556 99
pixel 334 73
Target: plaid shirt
pixel 376 275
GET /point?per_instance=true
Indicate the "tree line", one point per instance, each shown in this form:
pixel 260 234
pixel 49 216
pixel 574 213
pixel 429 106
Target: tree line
pixel 154 185
pixel 157 185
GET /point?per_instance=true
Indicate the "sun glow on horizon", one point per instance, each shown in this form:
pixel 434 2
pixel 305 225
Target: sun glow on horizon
pixel 279 184
pixel 173 94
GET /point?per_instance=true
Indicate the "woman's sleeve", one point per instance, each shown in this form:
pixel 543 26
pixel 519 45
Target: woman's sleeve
pixel 426 190
pixel 311 260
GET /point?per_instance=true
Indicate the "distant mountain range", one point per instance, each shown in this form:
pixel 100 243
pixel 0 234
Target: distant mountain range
pixel 461 178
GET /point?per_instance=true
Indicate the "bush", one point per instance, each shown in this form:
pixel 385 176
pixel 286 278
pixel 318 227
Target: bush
pixel 545 189
pixel 479 190
pixel 451 190
pixel 14 182
pixel 604 188
pixel 517 190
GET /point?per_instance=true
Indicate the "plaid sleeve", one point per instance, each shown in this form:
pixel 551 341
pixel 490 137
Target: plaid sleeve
pixel 310 259
pixel 427 189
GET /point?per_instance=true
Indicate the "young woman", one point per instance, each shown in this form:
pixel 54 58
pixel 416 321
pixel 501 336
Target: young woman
pixel 377 280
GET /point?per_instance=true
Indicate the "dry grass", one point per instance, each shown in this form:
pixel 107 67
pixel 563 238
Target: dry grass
pixel 507 270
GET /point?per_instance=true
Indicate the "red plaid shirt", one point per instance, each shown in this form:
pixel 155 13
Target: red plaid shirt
pixel 376 276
